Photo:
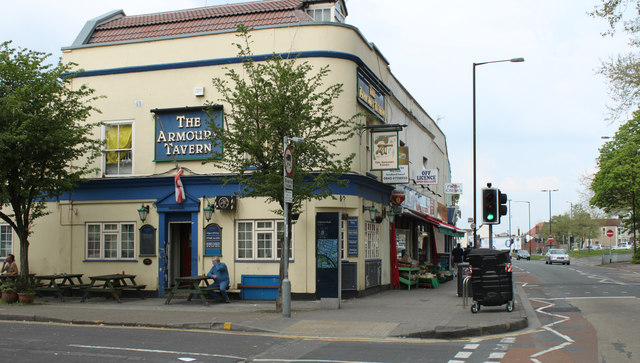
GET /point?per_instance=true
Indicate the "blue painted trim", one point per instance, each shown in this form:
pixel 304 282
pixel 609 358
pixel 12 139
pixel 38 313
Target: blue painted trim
pixel 235 60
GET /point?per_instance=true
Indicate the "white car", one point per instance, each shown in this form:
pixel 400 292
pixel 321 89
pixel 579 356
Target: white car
pixel 557 255
pixel 624 246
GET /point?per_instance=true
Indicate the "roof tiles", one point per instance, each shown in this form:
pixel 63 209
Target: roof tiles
pixel 200 20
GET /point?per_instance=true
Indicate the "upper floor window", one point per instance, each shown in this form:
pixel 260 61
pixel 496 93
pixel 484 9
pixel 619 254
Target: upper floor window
pixel 320 14
pixel 118 151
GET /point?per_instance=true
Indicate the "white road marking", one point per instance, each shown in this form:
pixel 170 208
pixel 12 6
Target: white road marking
pixel 159 351
pixel 548 327
pixel 508 340
pixel 471 346
pixel 463 355
pixel 496 355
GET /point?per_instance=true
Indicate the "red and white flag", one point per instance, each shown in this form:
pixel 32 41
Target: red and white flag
pixel 180 195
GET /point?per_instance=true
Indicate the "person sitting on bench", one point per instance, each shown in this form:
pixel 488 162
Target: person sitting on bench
pixel 220 275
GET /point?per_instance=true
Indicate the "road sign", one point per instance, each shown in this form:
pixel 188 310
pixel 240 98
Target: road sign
pixel 288 196
pixel 550 239
pixel 288 161
pixel 288 183
pixel 473 225
pixel 609 233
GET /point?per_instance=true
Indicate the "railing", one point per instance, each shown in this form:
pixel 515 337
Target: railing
pixel 465 290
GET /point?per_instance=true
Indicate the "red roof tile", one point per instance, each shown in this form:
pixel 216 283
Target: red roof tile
pixel 199 20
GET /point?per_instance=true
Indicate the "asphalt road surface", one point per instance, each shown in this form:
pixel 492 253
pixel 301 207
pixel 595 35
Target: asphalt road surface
pixel 585 313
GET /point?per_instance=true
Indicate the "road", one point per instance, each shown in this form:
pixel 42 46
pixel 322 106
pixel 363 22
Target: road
pixel 585 313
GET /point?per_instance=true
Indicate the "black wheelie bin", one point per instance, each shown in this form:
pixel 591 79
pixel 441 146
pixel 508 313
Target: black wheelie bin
pixel 491 278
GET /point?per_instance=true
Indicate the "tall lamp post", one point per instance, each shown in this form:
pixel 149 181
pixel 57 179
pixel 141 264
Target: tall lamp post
pixel 475 217
pixel 570 223
pixel 544 191
pixel 529 231
pixel 286 284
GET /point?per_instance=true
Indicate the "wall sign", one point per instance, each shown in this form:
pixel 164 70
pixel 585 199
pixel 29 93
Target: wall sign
pixel 401 175
pixel 429 176
pixel 147 240
pixel 370 97
pixel 352 237
pixel 184 133
pixel 384 150
pixel 213 240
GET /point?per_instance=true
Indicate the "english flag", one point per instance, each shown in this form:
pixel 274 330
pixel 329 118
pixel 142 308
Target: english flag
pixel 180 195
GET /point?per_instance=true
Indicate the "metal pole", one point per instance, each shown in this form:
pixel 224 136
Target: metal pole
pixel 490 236
pixel 286 284
pixel 509 219
pixel 475 219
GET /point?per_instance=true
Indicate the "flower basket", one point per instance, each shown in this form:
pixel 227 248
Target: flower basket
pixel 9 296
pixel 26 297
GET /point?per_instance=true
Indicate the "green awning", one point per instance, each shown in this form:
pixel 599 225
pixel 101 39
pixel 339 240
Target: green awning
pixel 449 232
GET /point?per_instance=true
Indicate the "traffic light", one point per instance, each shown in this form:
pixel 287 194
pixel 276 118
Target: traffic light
pixel 502 205
pixel 490 206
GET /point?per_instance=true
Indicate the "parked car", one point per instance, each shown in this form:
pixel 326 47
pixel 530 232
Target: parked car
pixel 524 254
pixel 557 255
pixel 624 246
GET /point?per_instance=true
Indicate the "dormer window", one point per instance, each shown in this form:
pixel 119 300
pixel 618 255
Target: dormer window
pixel 325 13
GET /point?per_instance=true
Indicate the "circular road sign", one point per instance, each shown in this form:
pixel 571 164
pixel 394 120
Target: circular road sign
pixel 288 161
pixel 550 239
pixel 609 233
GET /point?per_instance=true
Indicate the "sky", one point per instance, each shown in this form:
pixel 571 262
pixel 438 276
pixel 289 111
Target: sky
pixel 539 123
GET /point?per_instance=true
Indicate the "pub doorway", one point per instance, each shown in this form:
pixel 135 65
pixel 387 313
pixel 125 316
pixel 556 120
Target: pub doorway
pixel 179 251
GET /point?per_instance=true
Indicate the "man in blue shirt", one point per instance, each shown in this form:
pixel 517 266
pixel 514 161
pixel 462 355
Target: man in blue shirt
pixel 220 274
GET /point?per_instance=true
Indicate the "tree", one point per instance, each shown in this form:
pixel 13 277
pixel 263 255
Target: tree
pixel 268 101
pixel 616 185
pixel 42 133
pixel 623 72
pixel 579 223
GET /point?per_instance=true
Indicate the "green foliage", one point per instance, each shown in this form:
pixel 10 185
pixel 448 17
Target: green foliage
pixel 636 257
pixel 25 284
pixel 42 136
pixel 270 100
pixel 623 71
pixel 8 286
pixel 616 185
pixel 580 224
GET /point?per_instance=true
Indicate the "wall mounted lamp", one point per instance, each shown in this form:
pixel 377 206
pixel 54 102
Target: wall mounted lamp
pixel 391 215
pixel 208 210
pixel 143 212
pixel 373 212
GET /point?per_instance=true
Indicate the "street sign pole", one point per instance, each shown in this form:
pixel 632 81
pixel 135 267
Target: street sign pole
pixel 286 284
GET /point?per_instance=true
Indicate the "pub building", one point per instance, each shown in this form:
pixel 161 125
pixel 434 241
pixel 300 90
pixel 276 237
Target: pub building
pixel 154 210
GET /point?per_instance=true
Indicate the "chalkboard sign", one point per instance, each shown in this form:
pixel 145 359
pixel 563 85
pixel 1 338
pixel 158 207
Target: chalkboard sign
pixel 213 240
pixel 352 237
pixel 147 240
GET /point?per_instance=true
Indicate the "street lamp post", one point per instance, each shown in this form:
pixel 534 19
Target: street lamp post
pixel 570 223
pixel 549 190
pixel 529 231
pixel 286 284
pixel 475 218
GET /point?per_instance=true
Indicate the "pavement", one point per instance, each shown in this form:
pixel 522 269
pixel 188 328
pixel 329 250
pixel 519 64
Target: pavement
pixel 417 313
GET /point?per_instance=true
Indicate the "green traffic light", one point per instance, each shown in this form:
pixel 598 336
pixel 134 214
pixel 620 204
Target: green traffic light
pixel 490 217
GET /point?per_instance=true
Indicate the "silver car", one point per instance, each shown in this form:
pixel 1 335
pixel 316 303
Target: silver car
pixel 557 255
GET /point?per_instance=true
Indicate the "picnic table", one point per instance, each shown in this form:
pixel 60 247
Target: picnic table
pixel 112 285
pixel 58 283
pixel 192 285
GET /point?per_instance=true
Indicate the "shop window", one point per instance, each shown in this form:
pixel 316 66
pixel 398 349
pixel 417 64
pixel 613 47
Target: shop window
pixel 118 151
pixel 6 243
pixel 372 241
pixel 110 241
pixel 259 240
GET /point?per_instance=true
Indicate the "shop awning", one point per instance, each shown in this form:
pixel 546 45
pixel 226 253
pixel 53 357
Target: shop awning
pixel 443 227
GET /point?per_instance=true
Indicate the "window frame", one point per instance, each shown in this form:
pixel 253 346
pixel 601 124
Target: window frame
pixel 6 230
pixel 372 240
pixel 103 164
pixel 118 233
pixel 275 230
